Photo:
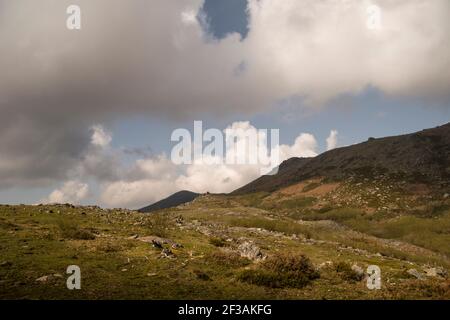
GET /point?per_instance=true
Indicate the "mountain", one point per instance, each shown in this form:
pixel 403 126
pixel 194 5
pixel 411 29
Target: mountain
pixel 422 156
pixel 174 200
pixel 313 233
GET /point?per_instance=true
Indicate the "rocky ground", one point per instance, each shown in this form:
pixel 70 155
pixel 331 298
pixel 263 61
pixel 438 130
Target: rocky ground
pixel 294 244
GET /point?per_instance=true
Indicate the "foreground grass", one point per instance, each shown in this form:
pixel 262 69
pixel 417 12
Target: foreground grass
pixel 300 258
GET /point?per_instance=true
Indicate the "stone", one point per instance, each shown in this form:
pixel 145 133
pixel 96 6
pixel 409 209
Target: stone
pixel 157 244
pixel 167 253
pixel 43 279
pixel 325 264
pixel 5 264
pixel 359 271
pixel 415 273
pixel 435 272
pixel 250 251
pixel 176 245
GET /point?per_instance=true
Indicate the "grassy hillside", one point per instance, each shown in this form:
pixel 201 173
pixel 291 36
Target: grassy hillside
pixel 309 241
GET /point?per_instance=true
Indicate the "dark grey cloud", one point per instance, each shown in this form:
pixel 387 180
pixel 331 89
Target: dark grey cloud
pixel 56 83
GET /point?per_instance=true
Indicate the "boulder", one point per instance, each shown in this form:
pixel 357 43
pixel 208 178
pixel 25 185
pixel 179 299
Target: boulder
pixel 167 253
pixel 435 272
pixel 43 279
pixel 415 273
pixel 250 251
pixel 358 271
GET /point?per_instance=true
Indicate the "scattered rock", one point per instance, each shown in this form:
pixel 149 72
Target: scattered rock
pixel 176 246
pixel 151 274
pixel 435 272
pixel 415 273
pixel 157 244
pixel 167 253
pixel 5 264
pixel 358 271
pixel 325 264
pixel 43 279
pixel 446 196
pixel 250 251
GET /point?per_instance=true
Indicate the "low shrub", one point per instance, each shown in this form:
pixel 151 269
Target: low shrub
pixel 202 275
pixel 228 258
pixel 218 242
pixel 347 273
pixel 282 271
pixel 70 230
pixel 159 224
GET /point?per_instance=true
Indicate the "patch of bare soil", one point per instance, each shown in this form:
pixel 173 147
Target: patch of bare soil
pixel 298 189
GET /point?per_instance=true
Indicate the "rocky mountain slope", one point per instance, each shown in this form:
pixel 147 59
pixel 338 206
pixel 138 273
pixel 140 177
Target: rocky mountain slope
pixel 309 232
pixel 418 157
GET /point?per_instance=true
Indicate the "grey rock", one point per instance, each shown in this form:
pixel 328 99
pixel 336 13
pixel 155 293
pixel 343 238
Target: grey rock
pixel 43 279
pixel 415 273
pixel 359 271
pixel 167 253
pixel 250 251
pixel 435 272
pixel 157 244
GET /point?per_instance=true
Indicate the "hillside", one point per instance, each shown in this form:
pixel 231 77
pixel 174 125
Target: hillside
pixel 215 247
pixel 309 232
pixel 174 200
pixel 419 157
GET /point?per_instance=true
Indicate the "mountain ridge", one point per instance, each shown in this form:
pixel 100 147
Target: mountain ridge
pixel 423 155
pixel 173 200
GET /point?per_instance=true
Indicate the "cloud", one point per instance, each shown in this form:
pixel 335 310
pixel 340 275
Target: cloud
pixel 305 146
pixel 332 140
pixel 141 57
pixel 151 179
pixel 71 192
pixel 100 137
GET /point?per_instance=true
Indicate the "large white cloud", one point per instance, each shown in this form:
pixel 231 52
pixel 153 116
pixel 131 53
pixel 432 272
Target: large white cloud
pixel 321 49
pixel 151 179
pixel 70 192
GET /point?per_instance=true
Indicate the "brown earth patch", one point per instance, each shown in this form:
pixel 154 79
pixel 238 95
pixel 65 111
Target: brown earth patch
pixel 320 190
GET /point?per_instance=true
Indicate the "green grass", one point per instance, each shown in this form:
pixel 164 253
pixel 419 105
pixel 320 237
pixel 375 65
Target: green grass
pixel 35 242
pixel 70 230
pixel 338 215
pixel 299 202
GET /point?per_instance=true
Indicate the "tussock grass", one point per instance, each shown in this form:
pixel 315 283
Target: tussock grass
pixel 346 273
pixel 282 271
pixel 71 230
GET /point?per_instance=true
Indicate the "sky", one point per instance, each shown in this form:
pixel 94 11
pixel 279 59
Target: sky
pixel 87 115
